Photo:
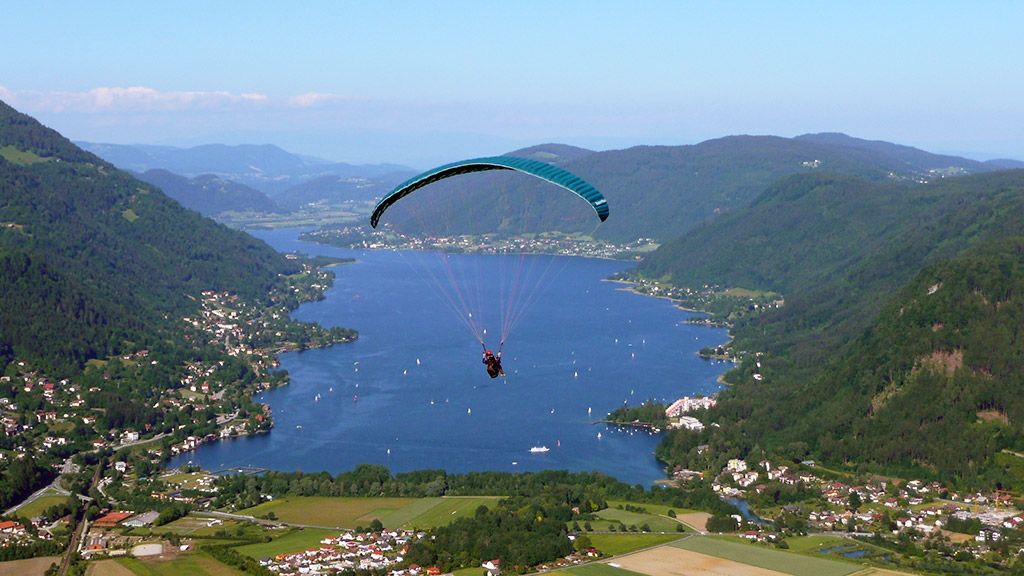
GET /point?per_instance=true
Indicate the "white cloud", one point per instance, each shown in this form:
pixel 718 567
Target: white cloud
pixel 127 99
pixel 311 99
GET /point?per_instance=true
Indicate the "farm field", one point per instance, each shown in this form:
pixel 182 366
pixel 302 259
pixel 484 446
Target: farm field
pixel 599 569
pixel 672 561
pixel 108 568
pixel 787 563
pixel 341 512
pixel 440 512
pixel 695 520
pixel 195 564
pixel 27 567
pixel 351 512
pixel 615 544
pixel 295 541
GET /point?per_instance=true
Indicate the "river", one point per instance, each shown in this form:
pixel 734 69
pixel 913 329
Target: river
pixel 411 392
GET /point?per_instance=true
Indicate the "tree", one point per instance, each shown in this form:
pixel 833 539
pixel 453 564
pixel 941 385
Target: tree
pixel 854 500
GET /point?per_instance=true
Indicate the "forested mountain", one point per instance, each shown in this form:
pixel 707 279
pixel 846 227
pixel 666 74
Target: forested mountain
pixel 665 191
pixel 93 258
pixel 552 153
pixel 938 380
pixel 266 168
pixel 209 194
pixel 913 158
pixel 846 253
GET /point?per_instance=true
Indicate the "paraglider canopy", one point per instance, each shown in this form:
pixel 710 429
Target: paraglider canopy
pixel 553 174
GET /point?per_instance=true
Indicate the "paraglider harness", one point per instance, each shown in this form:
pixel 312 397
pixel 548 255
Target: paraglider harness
pixel 493 361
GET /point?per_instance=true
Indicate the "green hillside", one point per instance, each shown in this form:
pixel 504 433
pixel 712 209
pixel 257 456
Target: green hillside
pixel 840 250
pixel 938 380
pixel 94 258
pixel 209 194
pixel 661 192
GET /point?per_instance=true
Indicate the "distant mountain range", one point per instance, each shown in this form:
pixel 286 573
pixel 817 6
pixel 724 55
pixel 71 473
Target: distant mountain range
pixel 208 194
pixel 663 192
pixel 266 168
pixel 658 192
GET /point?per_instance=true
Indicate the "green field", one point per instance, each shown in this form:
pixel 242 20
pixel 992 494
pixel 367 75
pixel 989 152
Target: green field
pixel 37 506
pixel 763 557
pixel 348 512
pixel 295 541
pixel 442 511
pixel 737 292
pixel 192 564
pixel 340 512
pixel 21 157
pixel 659 509
pixel 615 544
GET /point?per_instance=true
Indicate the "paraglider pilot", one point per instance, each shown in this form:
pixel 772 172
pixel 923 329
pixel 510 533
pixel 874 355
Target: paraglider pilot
pixel 493 363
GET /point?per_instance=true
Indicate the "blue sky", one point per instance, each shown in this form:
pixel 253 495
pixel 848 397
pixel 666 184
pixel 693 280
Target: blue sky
pixel 426 82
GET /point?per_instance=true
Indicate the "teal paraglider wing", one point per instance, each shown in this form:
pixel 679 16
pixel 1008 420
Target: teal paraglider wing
pixel 552 174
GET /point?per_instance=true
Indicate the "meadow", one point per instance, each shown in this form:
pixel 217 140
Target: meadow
pixel 344 512
pixel 764 557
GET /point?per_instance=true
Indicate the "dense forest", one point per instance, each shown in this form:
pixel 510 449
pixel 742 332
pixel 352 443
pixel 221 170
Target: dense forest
pixel 845 253
pixel 587 490
pixel 520 537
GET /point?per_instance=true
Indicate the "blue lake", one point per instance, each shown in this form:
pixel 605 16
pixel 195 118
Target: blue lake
pixel 411 393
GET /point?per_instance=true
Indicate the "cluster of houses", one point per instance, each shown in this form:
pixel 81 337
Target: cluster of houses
pixel 60 402
pixel 905 505
pixel 14 534
pixel 676 412
pixel 562 245
pixel 351 551
pixel 735 469
pixel 56 402
pixel 381 553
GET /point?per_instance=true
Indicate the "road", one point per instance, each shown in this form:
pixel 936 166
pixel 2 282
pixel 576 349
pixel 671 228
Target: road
pixel 69 467
pixel 136 443
pixel 225 418
pixel 53 488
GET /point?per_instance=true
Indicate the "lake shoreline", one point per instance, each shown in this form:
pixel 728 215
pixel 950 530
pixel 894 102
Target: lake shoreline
pixel 384 364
